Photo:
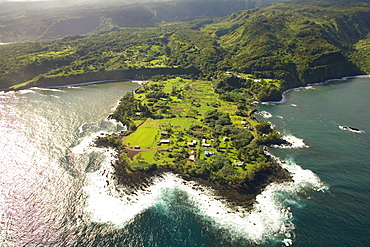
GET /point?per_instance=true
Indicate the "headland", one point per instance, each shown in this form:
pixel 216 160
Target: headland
pixel 183 126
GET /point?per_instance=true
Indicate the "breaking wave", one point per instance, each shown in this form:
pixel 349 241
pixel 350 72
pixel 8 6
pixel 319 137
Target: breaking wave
pixel 270 221
pixel 293 142
pixel 265 114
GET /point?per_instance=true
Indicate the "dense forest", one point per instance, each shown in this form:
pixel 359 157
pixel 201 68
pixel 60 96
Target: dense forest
pixel 25 21
pixel 287 44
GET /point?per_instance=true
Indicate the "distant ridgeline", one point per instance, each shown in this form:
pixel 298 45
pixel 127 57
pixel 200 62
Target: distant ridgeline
pixel 286 44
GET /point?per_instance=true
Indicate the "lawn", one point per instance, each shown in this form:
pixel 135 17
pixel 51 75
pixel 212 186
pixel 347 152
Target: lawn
pixel 146 136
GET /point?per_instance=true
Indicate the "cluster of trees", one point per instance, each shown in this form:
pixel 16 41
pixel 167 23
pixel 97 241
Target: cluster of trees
pixel 215 118
pixel 33 21
pixel 236 89
pixel 267 135
pixel 248 146
pixel 130 109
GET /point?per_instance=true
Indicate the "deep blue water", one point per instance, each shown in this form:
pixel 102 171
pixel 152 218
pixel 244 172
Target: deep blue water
pixel 340 158
pixel 59 190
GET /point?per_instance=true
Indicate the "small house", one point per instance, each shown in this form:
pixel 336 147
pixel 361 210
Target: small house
pixel 191 157
pixel 208 153
pixel 206 144
pixel 193 143
pixel 165 141
pixel 136 147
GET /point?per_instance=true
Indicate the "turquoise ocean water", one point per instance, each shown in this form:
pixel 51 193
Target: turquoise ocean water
pixel 59 190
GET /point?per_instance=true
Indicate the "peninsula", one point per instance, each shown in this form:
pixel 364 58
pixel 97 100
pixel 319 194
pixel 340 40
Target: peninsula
pixel 184 126
pixel 205 66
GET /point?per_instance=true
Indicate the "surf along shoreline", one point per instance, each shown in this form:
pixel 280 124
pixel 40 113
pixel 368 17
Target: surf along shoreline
pixel 238 195
pixel 235 195
pixel 242 194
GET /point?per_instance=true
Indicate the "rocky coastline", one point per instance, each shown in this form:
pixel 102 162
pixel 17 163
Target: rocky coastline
pixel 235 195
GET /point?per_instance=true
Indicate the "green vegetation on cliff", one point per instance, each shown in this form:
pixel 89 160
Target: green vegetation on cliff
pixel 27 21
pixel 298 42
pixel 286 44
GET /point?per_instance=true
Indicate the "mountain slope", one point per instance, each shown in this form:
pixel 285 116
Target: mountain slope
pixel 47 20
pixel 293 41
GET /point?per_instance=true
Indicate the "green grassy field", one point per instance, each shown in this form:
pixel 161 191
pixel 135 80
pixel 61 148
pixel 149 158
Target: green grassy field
pixel 146 136
pixel 186 125
pixel 198 98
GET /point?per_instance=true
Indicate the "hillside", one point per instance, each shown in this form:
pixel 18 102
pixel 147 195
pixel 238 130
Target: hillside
pixel 21 21
pixel 297 42
pixel 287 44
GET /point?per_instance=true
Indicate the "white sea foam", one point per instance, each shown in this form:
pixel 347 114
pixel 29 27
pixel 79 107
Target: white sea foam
pixel 140 82
pixel 47 89
pixel 294 142
pixel 77 85
pixel 351 129
pixel 265 114
pixel 84 145
pixel 26 91
pixel 108 203
pixel 303 179
pixel 110 126
pixel 269 220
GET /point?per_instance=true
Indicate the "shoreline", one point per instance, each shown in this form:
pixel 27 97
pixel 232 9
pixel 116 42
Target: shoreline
pixel 86 83
pixel 234 195
pixel 5 90
pixel 283 95
pixel 139 82
pixel 243 194
pixel 99 77
pixel 324 83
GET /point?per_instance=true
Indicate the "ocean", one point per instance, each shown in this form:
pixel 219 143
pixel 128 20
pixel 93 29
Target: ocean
pixel 57 189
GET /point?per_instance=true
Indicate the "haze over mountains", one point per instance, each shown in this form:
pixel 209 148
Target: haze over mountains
pixel 291 42
pixel 22 21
